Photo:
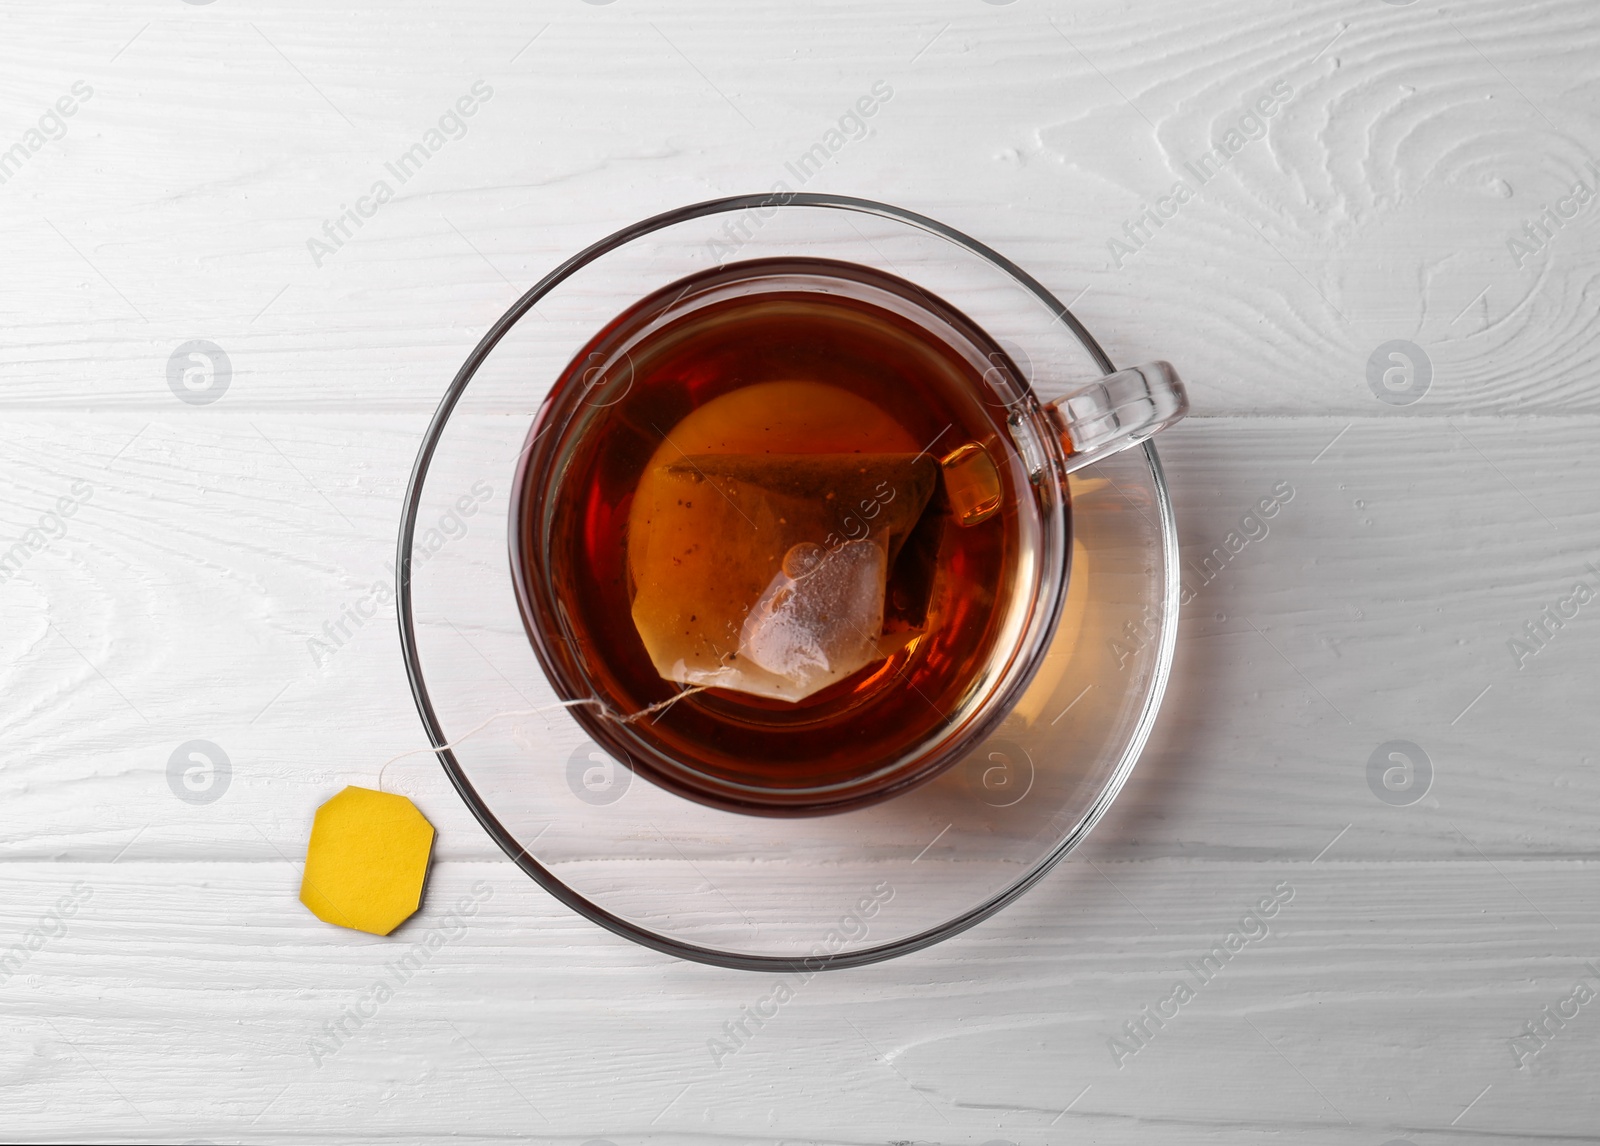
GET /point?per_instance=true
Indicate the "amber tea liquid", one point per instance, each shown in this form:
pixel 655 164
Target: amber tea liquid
pixel 792 358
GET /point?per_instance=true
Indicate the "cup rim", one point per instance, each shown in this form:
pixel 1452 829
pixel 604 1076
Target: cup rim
pixel 514 849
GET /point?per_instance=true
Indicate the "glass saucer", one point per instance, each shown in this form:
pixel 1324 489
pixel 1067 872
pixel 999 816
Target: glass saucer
pixel 759 892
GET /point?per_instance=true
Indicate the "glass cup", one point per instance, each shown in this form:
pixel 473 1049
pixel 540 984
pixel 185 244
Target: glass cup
pixel 979 815
pixel 844 751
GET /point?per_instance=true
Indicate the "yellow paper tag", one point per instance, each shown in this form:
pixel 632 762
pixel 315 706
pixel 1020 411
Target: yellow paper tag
pixel 367 861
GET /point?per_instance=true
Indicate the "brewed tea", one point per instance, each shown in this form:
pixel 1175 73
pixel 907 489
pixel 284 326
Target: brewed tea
pixel 787 485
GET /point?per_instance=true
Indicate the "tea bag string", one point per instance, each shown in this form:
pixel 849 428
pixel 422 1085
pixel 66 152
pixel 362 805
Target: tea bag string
pixel 605 713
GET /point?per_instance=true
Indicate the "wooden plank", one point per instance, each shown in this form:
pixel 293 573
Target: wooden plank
pixel 1387 994
pixel 1313 248
pixel 1378 605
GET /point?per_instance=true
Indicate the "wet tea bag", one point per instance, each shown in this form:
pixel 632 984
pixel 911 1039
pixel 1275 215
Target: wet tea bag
pixel 768 573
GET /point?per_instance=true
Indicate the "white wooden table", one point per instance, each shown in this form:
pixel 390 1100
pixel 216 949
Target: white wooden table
pixel 1405 147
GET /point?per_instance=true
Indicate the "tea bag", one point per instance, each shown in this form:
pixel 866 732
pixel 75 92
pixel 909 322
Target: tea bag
pixel 821 616
pixel 767 573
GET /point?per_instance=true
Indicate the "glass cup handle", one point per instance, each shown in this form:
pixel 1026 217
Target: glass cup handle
pixel 1117 411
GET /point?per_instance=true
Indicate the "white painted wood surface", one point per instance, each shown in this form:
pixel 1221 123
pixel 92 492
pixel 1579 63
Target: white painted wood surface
pixel 212 541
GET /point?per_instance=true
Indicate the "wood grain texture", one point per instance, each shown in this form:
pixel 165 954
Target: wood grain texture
pixel 1291 670
pixel 1378 205
pixel 1382 1001
pixel 209 544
